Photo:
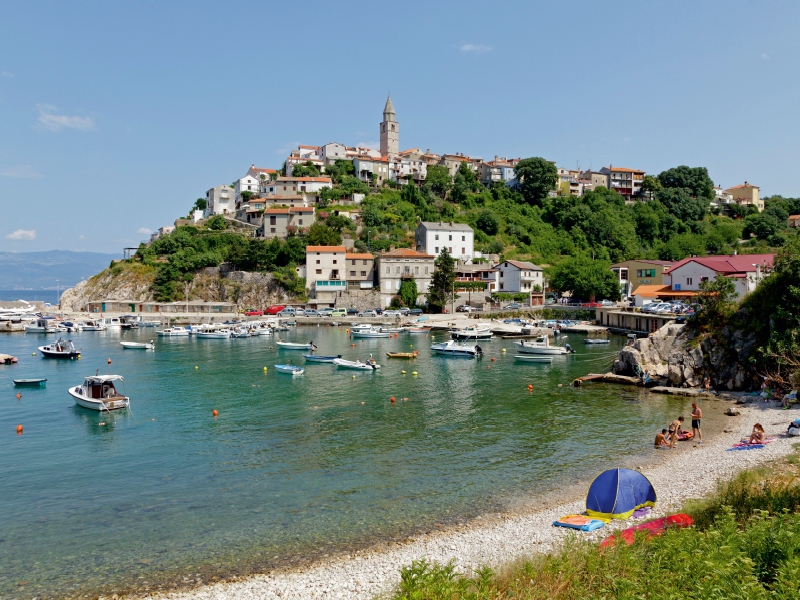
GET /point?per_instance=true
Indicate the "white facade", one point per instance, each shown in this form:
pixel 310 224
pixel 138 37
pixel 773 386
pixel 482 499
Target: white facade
pixel 459 239
pixel 326 268
pixel 401 168
pixel 293 186
pixel 220 200
pixel 688 277
pixel 248 183
pixel 332 152
pixel 372 170
pixel 519 277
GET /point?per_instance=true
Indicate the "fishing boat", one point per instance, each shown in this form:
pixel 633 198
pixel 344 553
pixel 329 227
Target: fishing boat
pixel 113 323
pixel 129 322
pixel 7 359
pixel 419 330
pixel 472 332
pixel 369 333
pixel 40 382
pixel 402 354
pixel 357 365
pixel 320 359
pixel 451 348
pixel 60 349
pixel 541 345
pixel 43 325
pixel 296 346
pixel 596 341
pixel 138 345
pixel 392 329
pixel 149 324
pixel 93 326
pixel 70 326
pixel 360 327
pixel 534 358
pixel 289 369
pixel 214 334
pixel 173 332
pixel 98 393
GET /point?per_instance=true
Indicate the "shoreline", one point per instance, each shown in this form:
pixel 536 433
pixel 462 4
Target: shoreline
pixel 498 538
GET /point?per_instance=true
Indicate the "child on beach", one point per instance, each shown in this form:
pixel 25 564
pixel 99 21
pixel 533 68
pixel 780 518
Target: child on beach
pixel 758 436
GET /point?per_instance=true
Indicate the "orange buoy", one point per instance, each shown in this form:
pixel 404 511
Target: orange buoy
pixel 392 399
pixel 109 361
pixel 488 366
pixel 493 359
pixel 214 412
pixel 353 345
pixel 19 429
pixel 19 395
pixel 347 331
pixel 530 387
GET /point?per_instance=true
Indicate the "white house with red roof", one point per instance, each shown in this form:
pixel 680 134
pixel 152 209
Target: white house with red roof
pixel 294 186
pixel 520 277
pixel 746 271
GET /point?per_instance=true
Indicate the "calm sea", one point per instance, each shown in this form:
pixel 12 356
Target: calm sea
pixel 50 296
pixel 293 467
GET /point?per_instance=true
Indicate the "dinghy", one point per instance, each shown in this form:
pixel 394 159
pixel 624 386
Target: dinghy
pixel 402 354
pixel 320 359
pixel 533 358
pixel 30 382
pixel 138 345
pixel 295 346
pixel 289 369
pixel 369 333
pixel 356 365
pixel 596 341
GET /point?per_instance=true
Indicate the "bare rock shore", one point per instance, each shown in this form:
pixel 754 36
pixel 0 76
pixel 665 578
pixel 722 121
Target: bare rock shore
pixel 690 471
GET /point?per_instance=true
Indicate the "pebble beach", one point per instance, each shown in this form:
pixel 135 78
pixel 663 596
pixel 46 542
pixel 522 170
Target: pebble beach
pixel 496 539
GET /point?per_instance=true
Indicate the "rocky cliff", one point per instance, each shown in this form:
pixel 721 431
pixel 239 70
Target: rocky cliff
pixel 685 358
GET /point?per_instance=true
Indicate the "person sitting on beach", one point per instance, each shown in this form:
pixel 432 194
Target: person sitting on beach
pixel 661 439
pixel 674 430
pixel 758 436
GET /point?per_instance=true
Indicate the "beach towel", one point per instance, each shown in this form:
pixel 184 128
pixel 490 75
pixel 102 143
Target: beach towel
pixel 747 447
pixel 579 522
pixel 641 512
pixel 650 529
pixel 746 442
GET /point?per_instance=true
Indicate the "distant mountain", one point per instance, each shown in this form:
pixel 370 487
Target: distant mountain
pixel 40 270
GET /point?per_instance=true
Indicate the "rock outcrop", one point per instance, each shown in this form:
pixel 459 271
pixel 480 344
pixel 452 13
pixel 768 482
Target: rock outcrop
pixel 686 359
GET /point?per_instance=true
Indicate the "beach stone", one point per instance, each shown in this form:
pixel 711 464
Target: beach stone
pixel 732 411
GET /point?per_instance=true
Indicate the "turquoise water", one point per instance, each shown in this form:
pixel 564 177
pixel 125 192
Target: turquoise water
pixel 292 468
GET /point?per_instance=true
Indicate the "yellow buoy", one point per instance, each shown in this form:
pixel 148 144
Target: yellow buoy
pixel 265 369
pixel 403 372
pixel 503 350
pixel 354 376
pixel 196 367
pixel 414 373
pixel 33 353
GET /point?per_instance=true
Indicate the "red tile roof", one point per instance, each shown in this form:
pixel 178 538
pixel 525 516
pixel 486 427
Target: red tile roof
pixel 729 264
pixel 359 255
pixel 623 170
pixel 326 249
pixel 310 147
pixel 405 252
pixel 742 186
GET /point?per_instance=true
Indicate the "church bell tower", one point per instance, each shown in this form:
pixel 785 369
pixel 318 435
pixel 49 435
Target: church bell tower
pixel 390 130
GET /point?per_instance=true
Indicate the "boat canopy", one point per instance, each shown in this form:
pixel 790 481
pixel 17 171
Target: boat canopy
pixel 104 378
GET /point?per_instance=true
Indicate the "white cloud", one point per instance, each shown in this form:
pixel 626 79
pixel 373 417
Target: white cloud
pixel 80 237
pixel 22 234
pixel 372 144
pixel 145 231
pixel 6 74
pixel 477 48
pixel 53 122
pixel 22 171
pixel 765 56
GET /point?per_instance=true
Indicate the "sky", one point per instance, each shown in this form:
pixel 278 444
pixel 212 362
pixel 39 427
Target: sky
pixel 115 117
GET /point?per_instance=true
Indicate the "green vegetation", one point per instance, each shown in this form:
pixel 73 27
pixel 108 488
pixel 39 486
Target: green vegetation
pixel 745 545
pixel 408 292
pixel 441 288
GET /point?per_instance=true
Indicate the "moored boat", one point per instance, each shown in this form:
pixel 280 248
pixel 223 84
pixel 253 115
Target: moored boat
pixel 541 345
pixel 534 358
pixel 419 330
pixel 214 334
pixel 40 382
pixel 173 332
pixel 369 333
pixel 357 365
pixel 7 359
pixel 320 359
pixel 98 393
pixel 402 354
pixel 42 325
pixel 596 341
pixel 451 348
pixel 138 345
pixel 296 346
pixel 60 349
pixel 472 332
pixel 93 325
pixel 289 369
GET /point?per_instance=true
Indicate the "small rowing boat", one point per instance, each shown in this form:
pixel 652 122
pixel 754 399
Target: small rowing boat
pixel 534 358
pixel 138 345
pixel 356 365
pixel 289 369
pixel 30 382
pixel 320 359
pixel 295 346
pixel 402 354
pixel 596 341
pixel 419 330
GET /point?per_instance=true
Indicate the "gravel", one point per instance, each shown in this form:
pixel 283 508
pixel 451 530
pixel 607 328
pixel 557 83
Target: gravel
pixel 497 539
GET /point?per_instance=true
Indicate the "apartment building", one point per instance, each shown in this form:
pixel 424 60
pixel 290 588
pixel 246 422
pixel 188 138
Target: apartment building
pixel 626 182
pixel 458 238
pixel 280 222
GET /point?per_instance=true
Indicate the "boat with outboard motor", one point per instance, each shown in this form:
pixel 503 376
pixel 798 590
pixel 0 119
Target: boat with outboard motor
pixel 320 359
pixel 471 332
pixel 596 341
pixel 370 333
pixel 296 346
pixel 289 369
pixel 60 349
pixel 541 345
pixel 98 393
pixel 357 365
pixel 93 325
pixel 418 330
pixel 42 325
pixel 451 348
pixel 138 345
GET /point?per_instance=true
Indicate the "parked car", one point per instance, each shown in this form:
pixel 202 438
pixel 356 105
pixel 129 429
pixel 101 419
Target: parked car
pixel 368 313
pixel 287 312
pixel 300 312
pixel 466 308
pixel 352 311
pixel 325 312
pixel 310 312
pixel 514 306
pixel 339 312
pixel 378 311
pixel 391 313
pixel 608 303
pixel 254 312
pixel 274 309
pixel 591 304
pixel 415 312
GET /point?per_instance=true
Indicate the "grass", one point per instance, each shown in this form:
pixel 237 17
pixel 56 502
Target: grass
pixel 745 545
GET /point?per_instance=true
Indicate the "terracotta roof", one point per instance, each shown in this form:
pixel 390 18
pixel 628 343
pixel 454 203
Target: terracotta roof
pixel 359 255
pixel 654 291
pixel 742 186
pixel 523 265
pixel 405 252
pixel 794 216
pixel 325 249
pixel 621 169
pixel 313 179
pixel 276 211
pixel 729 264
pixel 291 209
pixel 373 159
pixel 310 147
pixel 260 170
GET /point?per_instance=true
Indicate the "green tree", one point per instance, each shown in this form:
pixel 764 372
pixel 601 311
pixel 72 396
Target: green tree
pixel 681 203
pixel 488 222
pixel 320 234
pixel 465 183
pixel 246 196
pixel 340 169
pixel 585 278
pixel 537 177
pixel 217 223
pixel 441 288
pixel 199 204
pixel 306 169
pixel 371 215
pixel 438 180
pixel 696 180
pixel 717 302
pixel 651 185
pixel 761 225
pixel 408 292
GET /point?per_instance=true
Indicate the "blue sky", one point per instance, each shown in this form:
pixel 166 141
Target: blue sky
pixel 115 117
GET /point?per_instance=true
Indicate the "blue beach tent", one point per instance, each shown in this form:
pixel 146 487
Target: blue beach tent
pixel 616 493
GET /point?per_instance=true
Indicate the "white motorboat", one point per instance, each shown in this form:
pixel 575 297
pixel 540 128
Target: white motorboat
pixel 138 345
pixel 43 325
pixel 214 334
pixel 356 365
pixel 60 349
pixel 472 332
pixel 149 324
pixel 392 329
pixel 596 341
pixel 451 348
pixel 295 346
pixel 541 345
pixel 360 327
pixel 242 332
pixel 113 322
pixel 94 326
pixel 98 393
pixel 538 358
pixel 174 332
pixel 369 333
pixel 70 326
pixel 418 330
pixel 289 369
pixel 130 322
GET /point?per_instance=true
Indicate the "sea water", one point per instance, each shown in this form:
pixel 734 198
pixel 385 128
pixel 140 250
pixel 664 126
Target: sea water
pixel 292 468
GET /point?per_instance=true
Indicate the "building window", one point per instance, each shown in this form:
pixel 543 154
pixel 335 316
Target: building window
pixel 702 279
pixel 363 273
pixel 463 251
pixel 364 262
pixel 416 270
pixel 317 261
pixel 273 220
pixel 300 221
pixel 437 249
pixel 397 270
pixel 436 237
pixel 450 238
pixel 463 238
pixel 501 285
pixel 272 230
pixel 354 262
pixel 334 261
pixel 426 270
pixel 450 250
pixel 388 270
pixel 319 271
pixel 688 281
pixel 352 273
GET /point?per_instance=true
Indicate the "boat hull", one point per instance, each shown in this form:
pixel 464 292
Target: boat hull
pixel 289 370
pixel 533 358
pixel 293 346
pixel 355 366
pixel 370 334
pixel 137 346
pixel 320 359
pixel 115 403
pixel 30 382
pixel 551 351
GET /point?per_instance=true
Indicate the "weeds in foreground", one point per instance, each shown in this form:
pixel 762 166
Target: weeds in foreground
pixel 745 545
